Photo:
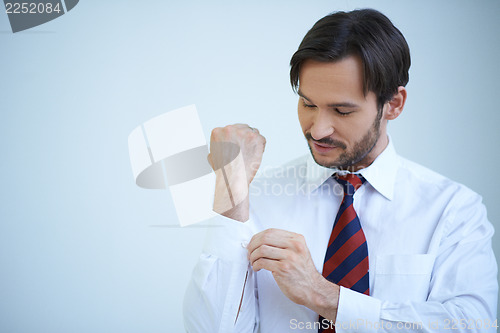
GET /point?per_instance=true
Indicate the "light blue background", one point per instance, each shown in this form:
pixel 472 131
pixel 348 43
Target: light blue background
pixel 82 249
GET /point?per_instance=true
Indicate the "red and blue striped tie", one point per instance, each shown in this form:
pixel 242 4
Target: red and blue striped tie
pixel 346 259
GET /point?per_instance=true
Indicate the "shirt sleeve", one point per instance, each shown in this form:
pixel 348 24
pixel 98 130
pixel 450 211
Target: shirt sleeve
pixel 220 278
pixel 463 289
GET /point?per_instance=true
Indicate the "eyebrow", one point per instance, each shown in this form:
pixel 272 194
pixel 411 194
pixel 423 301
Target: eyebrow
pixel 333 105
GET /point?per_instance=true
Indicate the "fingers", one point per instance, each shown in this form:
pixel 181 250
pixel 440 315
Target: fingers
pixel 267 264
pixel 227 142
pixel 240 125
pixel 267 252
pixel 244 126
pixel 247 138
pixel 230 130
pixel 272 237
pixel 273 248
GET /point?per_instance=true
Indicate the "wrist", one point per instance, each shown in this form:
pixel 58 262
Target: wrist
pixel 325 298
pixel 231 201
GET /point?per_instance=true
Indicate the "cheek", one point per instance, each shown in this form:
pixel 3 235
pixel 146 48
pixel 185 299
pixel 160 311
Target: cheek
pixel 355 129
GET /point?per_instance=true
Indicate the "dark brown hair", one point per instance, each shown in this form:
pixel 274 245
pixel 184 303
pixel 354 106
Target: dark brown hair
pixel 366 33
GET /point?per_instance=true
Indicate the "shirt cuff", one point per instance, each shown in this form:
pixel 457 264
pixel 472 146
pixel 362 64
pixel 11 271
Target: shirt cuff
pixel 227 239
pixel 357 312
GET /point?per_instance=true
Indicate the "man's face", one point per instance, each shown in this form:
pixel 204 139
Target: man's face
pixel 341 124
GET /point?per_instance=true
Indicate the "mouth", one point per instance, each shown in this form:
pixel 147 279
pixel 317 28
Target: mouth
pixel 322 148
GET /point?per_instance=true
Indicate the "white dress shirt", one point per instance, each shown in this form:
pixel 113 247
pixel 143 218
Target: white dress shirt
pixel 432 267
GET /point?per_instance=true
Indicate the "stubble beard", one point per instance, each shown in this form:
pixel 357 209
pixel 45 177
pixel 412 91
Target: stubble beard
pixel 353 159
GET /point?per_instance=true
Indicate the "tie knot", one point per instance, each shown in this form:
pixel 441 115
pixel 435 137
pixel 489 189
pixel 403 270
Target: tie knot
pixel 350 182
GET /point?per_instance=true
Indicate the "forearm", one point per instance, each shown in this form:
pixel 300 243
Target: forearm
pixel 231 193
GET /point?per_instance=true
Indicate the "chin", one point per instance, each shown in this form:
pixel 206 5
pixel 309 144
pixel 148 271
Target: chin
pixel 324 160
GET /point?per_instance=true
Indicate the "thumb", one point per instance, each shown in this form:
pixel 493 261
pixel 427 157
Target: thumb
pixel 209 159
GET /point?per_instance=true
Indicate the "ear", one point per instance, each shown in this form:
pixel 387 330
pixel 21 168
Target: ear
pixel 395 106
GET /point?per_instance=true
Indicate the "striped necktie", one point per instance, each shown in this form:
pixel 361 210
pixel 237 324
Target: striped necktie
pixel 346 259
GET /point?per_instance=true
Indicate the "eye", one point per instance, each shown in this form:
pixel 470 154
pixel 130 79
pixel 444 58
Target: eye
pixel 343 113
pixel 307 105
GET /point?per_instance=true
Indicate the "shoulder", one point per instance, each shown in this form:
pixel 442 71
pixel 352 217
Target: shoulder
pixel 434 188
pixel 420 174
pixel 426 177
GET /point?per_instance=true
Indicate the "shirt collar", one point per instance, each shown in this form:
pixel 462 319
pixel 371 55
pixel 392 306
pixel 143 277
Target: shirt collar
pixel 381 174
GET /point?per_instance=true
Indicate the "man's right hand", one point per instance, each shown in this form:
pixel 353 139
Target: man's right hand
pixel 235 155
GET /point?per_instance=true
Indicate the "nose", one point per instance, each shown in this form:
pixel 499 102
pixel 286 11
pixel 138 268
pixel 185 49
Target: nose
pixel 322 126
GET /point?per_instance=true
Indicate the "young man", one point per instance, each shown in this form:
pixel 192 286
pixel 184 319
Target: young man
pixel 353 234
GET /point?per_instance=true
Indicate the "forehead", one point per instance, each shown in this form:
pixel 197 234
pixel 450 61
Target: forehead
pixel 332 81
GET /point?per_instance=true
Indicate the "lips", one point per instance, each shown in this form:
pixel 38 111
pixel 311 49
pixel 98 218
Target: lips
pixel 322 148
pixel 323 145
